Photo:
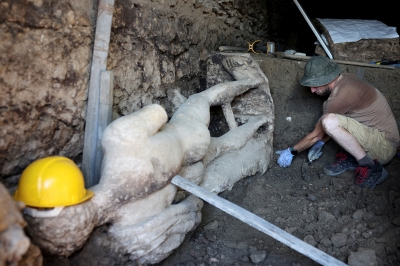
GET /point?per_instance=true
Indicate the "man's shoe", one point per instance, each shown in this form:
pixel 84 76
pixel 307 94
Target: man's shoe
pixel 370 176
pixel 344 161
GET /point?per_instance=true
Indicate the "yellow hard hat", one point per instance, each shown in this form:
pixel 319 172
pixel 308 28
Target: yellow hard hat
pixel 50 182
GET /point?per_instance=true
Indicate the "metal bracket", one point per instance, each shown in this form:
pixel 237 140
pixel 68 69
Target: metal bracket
pixel 251 47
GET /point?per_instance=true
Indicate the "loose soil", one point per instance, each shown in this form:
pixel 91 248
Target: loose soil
pixel 330 213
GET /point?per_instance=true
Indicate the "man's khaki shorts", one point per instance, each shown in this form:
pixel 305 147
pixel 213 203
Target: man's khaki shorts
pixel 372 140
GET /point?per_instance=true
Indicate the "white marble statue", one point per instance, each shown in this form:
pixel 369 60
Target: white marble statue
pixel 143 151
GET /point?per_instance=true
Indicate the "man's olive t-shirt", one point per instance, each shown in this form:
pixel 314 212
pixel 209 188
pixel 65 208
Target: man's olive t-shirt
pixel 357 99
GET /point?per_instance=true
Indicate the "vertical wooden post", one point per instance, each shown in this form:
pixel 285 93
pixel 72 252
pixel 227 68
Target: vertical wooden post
pixel 99 64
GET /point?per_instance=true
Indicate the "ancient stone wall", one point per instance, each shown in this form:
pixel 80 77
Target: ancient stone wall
pixel 156 47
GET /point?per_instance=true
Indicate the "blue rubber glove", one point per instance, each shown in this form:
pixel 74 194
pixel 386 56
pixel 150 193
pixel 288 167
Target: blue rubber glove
pixel 315 152
pixel 285 158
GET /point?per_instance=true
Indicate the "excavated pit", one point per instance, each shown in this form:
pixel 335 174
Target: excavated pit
pixel 357 226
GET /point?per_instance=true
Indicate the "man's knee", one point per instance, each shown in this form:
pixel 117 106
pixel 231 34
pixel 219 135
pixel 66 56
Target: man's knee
pixel 329 122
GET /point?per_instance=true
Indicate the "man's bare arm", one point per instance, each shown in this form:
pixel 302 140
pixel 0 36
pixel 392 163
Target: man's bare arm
pixel 317 134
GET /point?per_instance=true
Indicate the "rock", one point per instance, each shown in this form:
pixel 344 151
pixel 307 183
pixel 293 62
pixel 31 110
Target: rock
pixel 252 249
pixel 244 257
pixel 197 253
pixel 321 247
pixel 212 226
pixel 324 216
pixel 198 3
pixel 365 257
pixel 258 256
pixel 290 230
pixel 279 220
pixel 326 242
pixel 367 234
pixel 310 240
pixel 312 197
pixel 210 236
pixel 309 227
pixel 339 240
pixel 304 167
pixel 379 248
pixel 369 216
pixel 358 215
pixel 203 240
pixel 388 236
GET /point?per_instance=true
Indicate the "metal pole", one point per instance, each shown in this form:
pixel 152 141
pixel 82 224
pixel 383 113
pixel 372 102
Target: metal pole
pixel 328 52
pixel 257 222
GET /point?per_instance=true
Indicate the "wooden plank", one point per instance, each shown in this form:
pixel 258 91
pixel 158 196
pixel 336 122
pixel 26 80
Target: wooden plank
pixel 99 64
pixel 257 222
pixel 305 58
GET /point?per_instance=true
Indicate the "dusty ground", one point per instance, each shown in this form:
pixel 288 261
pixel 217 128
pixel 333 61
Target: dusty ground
pixel 330 213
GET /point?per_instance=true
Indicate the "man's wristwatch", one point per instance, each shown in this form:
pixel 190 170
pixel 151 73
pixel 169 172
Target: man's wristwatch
pixel 293 151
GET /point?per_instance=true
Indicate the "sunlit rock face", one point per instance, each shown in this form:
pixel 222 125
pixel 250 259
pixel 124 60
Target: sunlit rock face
pixel 133 216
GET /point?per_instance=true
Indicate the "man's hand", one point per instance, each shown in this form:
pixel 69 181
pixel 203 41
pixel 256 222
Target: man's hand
pixel 285 158
pixel 315 151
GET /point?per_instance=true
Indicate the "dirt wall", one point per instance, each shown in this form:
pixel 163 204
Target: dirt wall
pixel 156 47
pixel 161 46
pixel 45 52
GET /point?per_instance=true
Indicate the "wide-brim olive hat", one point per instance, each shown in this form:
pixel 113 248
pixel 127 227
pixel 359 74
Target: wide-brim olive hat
pixel 319 71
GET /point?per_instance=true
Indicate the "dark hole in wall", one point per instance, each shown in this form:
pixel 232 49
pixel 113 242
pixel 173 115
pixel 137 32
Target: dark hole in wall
pixel 289 30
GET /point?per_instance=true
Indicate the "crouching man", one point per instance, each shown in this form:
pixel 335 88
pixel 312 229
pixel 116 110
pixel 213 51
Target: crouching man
pixel 356 116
